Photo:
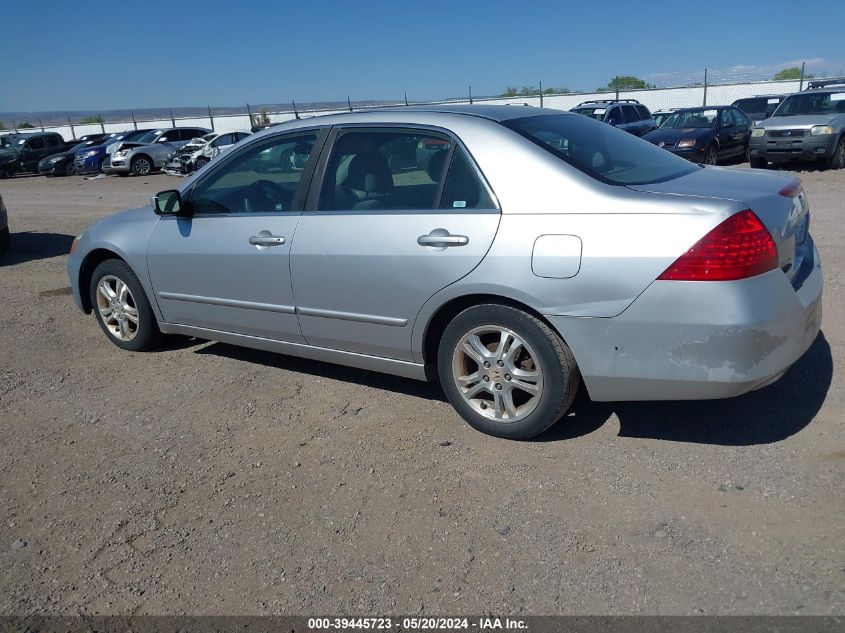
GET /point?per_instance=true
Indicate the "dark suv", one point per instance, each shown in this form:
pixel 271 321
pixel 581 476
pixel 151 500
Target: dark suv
pixel 759 107
pixel 22 152
pixel 626 114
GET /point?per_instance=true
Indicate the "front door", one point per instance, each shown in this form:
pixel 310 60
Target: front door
pixel 401 214
pixel 227 267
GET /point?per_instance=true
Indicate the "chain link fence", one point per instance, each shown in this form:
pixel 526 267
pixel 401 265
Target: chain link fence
pixel 234 119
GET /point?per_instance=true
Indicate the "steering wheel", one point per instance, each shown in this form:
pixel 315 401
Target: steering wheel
pixel 265 195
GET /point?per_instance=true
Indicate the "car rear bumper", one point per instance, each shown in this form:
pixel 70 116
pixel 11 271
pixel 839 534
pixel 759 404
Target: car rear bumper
pixel 807 148
pixel 699 340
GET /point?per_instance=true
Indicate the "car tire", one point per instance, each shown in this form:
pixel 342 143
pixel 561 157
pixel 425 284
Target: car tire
pixel 141 165
pixel 711 155
pixel 758 163
pixel 523 389
pixel 4 240
pixel 837 160
pixel 70 170
pixel 121 307
pixel 201 162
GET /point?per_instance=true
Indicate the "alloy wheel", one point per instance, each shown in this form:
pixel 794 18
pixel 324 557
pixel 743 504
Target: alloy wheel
pixel 711 157
pixel 141 166
pixel 497 373
pixel 117 308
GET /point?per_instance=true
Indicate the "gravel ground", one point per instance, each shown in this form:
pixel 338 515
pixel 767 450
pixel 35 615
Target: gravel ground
pixel 208 479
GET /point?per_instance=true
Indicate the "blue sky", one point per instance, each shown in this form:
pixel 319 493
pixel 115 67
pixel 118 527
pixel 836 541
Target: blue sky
pixel 104 55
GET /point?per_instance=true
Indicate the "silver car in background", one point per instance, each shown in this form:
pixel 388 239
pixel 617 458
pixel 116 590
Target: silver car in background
pixel 149 152
pixel 533 251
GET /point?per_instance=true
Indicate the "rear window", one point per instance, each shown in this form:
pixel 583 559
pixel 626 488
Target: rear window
pixel 602 152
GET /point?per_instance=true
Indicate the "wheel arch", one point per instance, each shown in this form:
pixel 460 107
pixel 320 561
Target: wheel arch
pixel 444 314
pixel 142 155
pixel 86 271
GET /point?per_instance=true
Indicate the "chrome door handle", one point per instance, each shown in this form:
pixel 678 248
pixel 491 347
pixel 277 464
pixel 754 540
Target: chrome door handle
pixel 439 238
pixel 266 239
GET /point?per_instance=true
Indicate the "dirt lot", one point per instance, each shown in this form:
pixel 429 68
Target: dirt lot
pixel 208 479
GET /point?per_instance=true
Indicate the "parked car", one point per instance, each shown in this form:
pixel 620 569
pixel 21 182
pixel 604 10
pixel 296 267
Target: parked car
pixel 661 115
pixel 807 126
pixel 4 228
pixel 149 152
pixel 704 135
pixel 540 250
pixel 62 163
pixel 759 107
pixel 626 114
pixel 22 152
pixel 200 151
pixel 91 159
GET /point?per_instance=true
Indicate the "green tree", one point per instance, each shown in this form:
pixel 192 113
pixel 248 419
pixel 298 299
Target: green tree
pixel 91 120
pixel 793 72
pixel 625 82
pixel 510 91
pixel 2 125
pixel 26 126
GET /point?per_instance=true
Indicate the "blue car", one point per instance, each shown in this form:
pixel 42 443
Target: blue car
pixel 90 160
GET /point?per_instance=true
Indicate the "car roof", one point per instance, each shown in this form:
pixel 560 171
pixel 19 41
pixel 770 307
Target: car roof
pixel 497 113
pixel 707 107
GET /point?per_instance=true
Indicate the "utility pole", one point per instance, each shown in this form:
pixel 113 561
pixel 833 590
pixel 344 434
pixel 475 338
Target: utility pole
pixel 705 87
pixel 801 85
pixel 470 95
pixel 210 118
pixel 541 94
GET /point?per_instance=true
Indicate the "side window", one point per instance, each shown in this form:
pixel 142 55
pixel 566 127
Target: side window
pixel 167 136
pixel 463 189
pixel 630 114
pixel 52 141
pixel 740 118
pixel 643 112
pixel 261 179
pixel 239 136
pixel 37 143
pixel 222 141
pixel 384 169
pixel 726 118
pixel 614 115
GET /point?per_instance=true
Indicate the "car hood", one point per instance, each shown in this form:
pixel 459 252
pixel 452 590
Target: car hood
pixel 800 121
pixel 676 134
pixel 124 219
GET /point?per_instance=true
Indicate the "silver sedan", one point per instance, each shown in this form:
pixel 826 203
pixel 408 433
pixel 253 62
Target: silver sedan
pixel 513 254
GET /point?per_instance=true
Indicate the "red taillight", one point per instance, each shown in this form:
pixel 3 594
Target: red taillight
pixel 740 247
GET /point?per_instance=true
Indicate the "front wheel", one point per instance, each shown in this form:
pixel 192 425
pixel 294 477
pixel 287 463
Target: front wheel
pixel 505 371
pixel 837 161
pixel 201 162
pixel 711 156
pixel 141 166
pixel 122 308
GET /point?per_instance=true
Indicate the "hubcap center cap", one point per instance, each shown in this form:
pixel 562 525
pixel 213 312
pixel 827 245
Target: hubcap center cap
pixel 495 373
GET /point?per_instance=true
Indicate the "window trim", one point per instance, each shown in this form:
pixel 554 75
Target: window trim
pixel 304 182
pixel 315 190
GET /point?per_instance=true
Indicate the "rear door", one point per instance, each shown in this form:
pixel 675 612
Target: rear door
pixel 391 223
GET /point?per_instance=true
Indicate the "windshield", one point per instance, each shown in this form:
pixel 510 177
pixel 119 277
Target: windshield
pixel 601 151
pixel 593 113
pixel 812 103
pixel 692 119
pixel 8 141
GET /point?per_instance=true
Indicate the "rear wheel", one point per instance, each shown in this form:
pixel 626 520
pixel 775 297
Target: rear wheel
pixel 711 156
pixel 837 161
pixel 122 308
pixel 141 166
pixel 757 163
pixel 506 372
pixel 70 170
pixel 201 162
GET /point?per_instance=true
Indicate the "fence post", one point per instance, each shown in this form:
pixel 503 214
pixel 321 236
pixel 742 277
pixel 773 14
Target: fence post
pixel 210 118
pixel 406 97
pixel 470 95
pixel 102 123
pixel 72 131
pixel 172 120
pixel 541 94
pixel 801 85
pixel 349 103
pixel 14 126
pixel 295 112
pixel 41 125
pixel 705 87
pixel 249 112
pixel 134 122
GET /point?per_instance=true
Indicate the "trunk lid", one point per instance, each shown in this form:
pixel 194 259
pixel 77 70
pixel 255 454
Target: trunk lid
pixel 778 200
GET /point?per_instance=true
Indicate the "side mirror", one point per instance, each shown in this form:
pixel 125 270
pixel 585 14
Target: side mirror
pixel 170 203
